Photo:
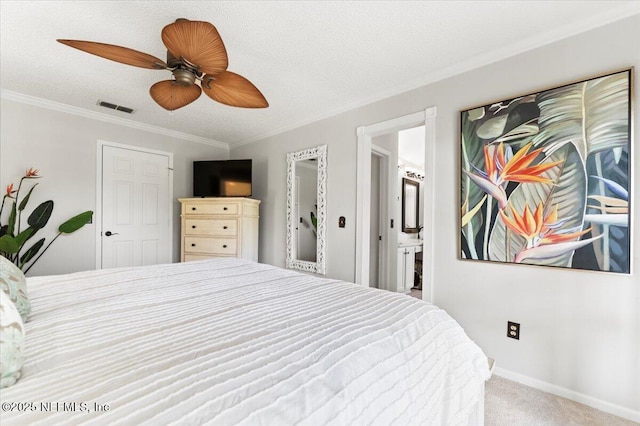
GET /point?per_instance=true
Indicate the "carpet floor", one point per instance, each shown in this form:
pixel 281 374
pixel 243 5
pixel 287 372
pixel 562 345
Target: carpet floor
pixel 508 403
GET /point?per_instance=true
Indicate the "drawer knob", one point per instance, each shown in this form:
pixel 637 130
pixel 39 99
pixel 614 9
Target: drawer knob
pixel 193 244
pixel 193 226
pixel 224 246
pixel 193 208
pixel 224 208
pixel 224 227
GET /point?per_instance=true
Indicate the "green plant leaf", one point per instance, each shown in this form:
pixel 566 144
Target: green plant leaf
pixel 503 124
pixel 314 220
pixel 40 216
pixel 76 222
pixel 8 244
pixel 554 250
pixel 493 127
pixel 467 216
pixel 471 194
pixel 566 190
pixel 12 220
pixel 523 131
pixel 24 236
pixel 33 250
pixel 25 200
pixel 593 115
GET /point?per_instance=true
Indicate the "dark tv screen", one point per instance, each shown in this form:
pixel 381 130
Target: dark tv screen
pixel 222 178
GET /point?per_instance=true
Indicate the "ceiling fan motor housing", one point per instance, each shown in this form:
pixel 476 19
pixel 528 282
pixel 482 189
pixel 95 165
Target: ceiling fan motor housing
pixel 184 77
pixel 182 72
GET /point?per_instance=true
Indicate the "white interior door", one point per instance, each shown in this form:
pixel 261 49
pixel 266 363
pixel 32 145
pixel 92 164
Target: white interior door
pixel 136 210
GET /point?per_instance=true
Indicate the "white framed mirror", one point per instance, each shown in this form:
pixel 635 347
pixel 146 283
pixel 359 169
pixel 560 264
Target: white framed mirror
pixel 306 209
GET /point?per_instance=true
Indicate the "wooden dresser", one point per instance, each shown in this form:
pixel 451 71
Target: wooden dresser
pixel 219 227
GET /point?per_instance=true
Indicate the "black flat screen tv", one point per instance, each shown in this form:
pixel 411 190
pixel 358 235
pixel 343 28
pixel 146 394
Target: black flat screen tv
pixel 222 178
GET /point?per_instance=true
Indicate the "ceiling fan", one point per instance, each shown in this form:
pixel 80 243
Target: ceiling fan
pixel 195 52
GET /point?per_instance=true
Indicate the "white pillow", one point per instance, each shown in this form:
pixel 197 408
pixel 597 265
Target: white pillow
pixel 11 342
pixel 14 283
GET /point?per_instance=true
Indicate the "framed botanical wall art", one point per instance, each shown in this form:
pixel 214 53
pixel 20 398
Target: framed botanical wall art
pixel 546 177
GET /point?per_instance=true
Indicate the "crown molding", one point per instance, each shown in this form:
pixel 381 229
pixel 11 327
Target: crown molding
pixel 626 11
pixel 69 109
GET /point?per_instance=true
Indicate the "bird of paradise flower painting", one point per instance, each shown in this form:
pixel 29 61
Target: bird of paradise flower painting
pixel 546 177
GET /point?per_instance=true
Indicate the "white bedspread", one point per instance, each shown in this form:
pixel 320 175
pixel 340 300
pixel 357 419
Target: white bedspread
pixel 231 342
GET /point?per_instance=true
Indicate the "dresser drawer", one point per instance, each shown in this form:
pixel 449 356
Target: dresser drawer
pixel 231 208
pixel 213 227
pixel 190 257
pixel 210 245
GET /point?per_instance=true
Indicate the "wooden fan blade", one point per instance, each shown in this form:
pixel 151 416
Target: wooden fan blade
pixel 199 43
pixel 171 96
pixel 120 54
pixel 232 89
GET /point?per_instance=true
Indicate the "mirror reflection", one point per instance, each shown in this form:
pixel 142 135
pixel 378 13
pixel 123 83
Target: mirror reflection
pixel 306 209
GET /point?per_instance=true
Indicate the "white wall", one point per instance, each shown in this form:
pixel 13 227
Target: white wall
pixel 270 182
pixel 63 147
pixel 580 330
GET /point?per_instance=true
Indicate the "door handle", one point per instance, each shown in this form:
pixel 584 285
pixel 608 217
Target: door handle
pixel 109 233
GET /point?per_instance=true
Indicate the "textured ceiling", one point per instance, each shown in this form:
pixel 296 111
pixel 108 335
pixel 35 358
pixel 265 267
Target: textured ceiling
pixel 311 59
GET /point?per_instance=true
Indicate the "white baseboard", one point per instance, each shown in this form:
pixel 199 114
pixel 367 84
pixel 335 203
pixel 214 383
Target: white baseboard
pixel 596 403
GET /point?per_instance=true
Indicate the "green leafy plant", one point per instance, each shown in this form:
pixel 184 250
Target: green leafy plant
pixel 13 239
pixel 314 220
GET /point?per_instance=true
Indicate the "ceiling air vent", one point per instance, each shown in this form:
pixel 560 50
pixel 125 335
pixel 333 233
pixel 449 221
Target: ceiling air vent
pixel 116 107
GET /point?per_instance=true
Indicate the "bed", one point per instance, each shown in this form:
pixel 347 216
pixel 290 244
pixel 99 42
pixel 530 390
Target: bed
pixel 232 342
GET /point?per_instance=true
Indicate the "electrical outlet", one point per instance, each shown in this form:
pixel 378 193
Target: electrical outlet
pixel 513 330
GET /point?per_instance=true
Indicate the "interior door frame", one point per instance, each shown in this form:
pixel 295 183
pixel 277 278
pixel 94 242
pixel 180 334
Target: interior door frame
pixel 98 213
pixel 383 215
pixel 363 191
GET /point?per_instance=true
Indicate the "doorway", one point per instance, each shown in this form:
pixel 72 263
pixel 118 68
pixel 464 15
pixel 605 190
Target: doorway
pixel 363 196
pixel 134 195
